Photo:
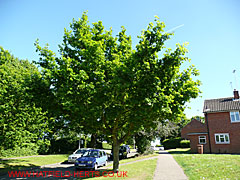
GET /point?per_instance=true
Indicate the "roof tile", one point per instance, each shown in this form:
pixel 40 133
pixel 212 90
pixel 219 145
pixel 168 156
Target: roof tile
pixel 221 104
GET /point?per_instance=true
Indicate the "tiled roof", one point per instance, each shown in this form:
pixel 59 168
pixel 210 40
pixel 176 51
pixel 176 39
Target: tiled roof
pixel 222 104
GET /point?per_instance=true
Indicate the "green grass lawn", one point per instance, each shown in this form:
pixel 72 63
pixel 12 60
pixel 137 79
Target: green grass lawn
pixel 208 166
pixel 137 158
pixel 143 170
pixel 18 164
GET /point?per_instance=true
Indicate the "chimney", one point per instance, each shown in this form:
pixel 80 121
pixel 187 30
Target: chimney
pixel 236 94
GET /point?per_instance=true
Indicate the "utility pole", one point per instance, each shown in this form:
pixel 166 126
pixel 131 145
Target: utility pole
pixel 79 141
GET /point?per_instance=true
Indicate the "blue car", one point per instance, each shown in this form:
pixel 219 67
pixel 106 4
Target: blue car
pixel 92 159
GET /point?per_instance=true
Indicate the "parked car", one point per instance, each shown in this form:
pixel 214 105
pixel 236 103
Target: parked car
pixel 157 148
pixel 122 153
pixel 76 154
pixel 128 148
pixel 92 159
pixel 161 148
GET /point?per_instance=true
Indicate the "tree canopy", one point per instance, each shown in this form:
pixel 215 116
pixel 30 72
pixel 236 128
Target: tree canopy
pixel 22 123
pixel 103 83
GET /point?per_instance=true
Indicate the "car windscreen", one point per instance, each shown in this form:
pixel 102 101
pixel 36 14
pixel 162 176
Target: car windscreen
pixel 122 148
pixel 91 154
pixel 80 151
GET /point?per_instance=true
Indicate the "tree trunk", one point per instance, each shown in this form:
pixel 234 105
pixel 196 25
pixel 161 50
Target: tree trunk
pixel 115 146
pixel 85 141
pixel 93 140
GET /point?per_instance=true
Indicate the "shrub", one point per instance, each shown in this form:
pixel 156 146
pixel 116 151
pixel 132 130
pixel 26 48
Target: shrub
pixel 18 152
pixel 143 144
pixel 44 146
pixel 185 143
pixel 172 143
pixel 148 151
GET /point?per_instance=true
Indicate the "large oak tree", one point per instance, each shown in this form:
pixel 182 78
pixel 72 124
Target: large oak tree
pixel 105 84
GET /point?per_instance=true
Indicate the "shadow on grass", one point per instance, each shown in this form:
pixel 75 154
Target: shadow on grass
pixel 12 164
pixel 66 162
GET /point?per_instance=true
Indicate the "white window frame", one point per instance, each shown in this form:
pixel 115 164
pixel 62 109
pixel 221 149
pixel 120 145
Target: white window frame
pixel 234 116
pixel 201 138
pixel 222 135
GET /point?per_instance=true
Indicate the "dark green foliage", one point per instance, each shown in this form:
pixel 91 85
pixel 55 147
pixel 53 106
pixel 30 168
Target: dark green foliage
pixel 69 144
pixel 185 144
pixel 22 123
pixel 172 143
pixel 64 146
pixel 143 143
pixel 130 141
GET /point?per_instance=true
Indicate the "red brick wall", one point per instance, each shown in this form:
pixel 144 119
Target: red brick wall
pixel 195 126
pixel 195 142
pixel 221 123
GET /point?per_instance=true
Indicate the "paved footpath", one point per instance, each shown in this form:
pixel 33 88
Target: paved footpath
pixel 167 168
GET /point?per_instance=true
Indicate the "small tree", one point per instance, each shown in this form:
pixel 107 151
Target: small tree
pixel 103 84
pixel 143 141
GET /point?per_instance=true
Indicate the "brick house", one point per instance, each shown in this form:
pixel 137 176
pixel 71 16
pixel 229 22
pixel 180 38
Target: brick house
pixel 222 125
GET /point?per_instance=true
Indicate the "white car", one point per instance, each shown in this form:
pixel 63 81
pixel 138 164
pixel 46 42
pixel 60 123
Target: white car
pixel 77 154
pixel 155 148
pixel 161 148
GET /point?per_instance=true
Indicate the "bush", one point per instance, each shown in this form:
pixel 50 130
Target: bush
pixel 172 143
pixel 44 146
pixel 148 151
pixel 18 152
pixel 185 144
pixel 143 144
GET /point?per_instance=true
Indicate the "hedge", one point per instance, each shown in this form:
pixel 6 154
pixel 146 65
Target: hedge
pixel 185 144
pixel 172 143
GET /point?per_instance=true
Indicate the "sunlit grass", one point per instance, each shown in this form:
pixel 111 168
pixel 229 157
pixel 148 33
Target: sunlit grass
pixel 208 166
pixel 143 170
pixel 17 164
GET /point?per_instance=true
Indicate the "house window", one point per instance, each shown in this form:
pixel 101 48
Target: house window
pixel 222 138
pixel 234 115
pixel 202 139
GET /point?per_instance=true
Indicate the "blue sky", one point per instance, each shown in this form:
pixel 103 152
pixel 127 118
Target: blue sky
pixel 211 27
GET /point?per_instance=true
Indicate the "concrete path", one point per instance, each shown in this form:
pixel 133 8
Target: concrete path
pixel 167 168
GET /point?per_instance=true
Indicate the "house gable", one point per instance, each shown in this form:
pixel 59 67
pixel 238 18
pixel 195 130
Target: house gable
pixel 221 131
pixel 195 127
